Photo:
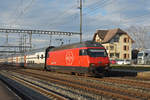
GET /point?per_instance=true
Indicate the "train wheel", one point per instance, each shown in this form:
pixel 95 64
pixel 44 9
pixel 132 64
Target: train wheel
pixel 73 73
pixel 76 74
pixel 86 75
pixel 46 69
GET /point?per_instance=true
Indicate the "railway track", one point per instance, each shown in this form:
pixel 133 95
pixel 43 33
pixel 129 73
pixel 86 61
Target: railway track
pixel 36 87
pixel 43 84
pixel 98 89
pixel 73 87
pixel 142 79
pixel 131 82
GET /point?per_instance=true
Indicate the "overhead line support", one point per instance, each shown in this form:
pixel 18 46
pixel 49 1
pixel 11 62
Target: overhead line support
pixel 37 32
pixel 80 20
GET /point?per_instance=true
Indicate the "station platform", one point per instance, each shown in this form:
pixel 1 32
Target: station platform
pixel 132 65
pixel 128 72
pixel 6 93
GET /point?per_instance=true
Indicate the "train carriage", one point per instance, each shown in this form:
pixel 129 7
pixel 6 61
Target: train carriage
pixel 35 59
pixel 85 57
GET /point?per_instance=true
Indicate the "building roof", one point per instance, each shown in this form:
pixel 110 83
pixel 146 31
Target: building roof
pixel 107 35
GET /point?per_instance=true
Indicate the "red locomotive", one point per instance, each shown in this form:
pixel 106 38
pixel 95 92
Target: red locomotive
pixel 85 57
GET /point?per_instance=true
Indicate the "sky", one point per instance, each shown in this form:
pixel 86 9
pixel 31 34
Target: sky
pixel 63 15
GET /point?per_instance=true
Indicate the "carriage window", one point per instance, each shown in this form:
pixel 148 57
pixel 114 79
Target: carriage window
pixel 38 57
pixel 42 56
pixel 83 52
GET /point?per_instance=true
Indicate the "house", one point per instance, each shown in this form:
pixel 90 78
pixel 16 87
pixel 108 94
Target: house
pixel 116 41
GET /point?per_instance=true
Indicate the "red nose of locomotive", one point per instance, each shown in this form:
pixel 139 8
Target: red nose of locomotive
pixel 99 62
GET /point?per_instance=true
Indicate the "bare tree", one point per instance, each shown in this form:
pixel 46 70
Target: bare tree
pixel 140 35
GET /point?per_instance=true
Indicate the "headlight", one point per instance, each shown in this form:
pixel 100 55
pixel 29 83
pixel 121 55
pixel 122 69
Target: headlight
pixel 107 64
pixel 92 64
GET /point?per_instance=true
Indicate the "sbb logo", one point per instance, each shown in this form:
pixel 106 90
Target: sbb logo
pixel 69 58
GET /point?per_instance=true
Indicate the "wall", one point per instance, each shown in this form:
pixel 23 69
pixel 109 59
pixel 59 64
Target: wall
pixel 118 47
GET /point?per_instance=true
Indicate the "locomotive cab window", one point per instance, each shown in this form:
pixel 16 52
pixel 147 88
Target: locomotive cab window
pixel 83 52
pixel 97 53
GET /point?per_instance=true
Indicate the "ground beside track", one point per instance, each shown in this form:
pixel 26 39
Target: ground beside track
pixel 6 93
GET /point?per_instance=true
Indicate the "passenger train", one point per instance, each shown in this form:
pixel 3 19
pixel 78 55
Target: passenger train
pixel 85 57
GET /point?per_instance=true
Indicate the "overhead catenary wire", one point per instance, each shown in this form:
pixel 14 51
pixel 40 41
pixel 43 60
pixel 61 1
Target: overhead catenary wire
pixel 64 14
pixel 96 7
pixel 99 4
pixel 94 10
pixel 16 11
pixel 23 11
pixel 57 23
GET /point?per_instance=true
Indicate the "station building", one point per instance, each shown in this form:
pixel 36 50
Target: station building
pixel 117 42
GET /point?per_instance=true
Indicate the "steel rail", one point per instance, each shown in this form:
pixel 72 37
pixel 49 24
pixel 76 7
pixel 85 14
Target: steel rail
pixel 125 81
pixel 47 93
pixel 80 86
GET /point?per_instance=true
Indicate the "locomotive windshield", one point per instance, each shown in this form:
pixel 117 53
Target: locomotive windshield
pixel 97 53
pixel 140 54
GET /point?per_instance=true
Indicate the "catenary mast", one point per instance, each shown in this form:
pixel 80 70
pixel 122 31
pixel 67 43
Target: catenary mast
pixel 80 20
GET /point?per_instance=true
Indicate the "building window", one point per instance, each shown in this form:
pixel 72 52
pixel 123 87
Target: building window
pixel 117 55
pixel 111 55
pixel 124 47
pixel 111 47
pixel 126 40
pixel 124 56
